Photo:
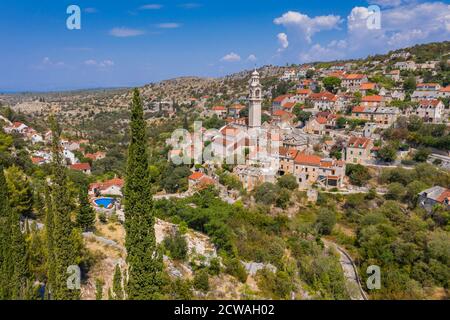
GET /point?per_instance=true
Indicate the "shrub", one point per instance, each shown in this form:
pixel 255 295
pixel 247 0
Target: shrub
pixel 177 246
pixel 235 268
pixel 201 280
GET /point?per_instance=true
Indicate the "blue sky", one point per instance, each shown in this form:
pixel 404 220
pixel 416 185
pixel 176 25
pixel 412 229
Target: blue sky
pixel 129 43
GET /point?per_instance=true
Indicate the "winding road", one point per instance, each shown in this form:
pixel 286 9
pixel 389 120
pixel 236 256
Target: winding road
pixel 354 286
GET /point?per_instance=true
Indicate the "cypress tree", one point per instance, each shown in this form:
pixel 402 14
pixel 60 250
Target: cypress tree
pixel 117 284
pixel 65 251
pixel 85 213
pixel 6 266
pixel 13 258
pixel 144 260
pixel 49 226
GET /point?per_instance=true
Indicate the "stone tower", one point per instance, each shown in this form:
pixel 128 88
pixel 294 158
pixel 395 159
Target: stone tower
pixel 254 112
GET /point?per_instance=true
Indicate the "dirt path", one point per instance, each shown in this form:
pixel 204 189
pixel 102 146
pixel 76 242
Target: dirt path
pixel 354 287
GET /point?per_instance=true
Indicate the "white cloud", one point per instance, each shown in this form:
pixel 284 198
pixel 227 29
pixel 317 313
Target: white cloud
pixel 169 25
pixel 404 23
pixel 252 58
pixel 153 6
pixel 100 64
pixel 283 41
pixel 231 57
pixel 305 25
pixel 123 32
pixel 47 63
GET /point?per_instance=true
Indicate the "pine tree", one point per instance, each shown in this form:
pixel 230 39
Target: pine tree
pixel 65 251
pixel 49 227
pixel 6 266
pixel 13 259
pixel 85 213
pixel 99 283
pixel 144 260
pixel 117 284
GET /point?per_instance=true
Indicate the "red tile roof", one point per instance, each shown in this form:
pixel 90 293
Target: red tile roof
pixel 326 96
pixel 358 109
pixel 196 176
pixel 354 76
pixel 281 98
pixel 81 166
pixel 372 99
pixel 429 103
pixel 367 86
pixel 306 159
pixel 358 142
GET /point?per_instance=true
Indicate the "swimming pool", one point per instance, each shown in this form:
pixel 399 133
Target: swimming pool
pixel 104 202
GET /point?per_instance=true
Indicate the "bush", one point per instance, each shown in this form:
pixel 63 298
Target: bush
pixel 235 268
pixel 288 182
pixel 201 280
pixel 266 193
pixel 177 246
pixel 358 174
pixel 396 191
pixel 325 221
pixel 214 267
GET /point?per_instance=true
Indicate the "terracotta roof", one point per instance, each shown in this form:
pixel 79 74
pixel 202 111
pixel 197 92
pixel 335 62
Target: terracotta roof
pixel 306 159
pixel 444 196
pixel 37 160
pixel 427 85
pixel 81 166
pixel 358 142
pixel 288 152
pixel 354 76
pixel 321 120
pixel 374 98
pixel 196 176
pixel 304 91
pixel 280 113
pixel 445 89
pixel 326 96
pixel 358 109
pixel 219 108
pixel 289 105
pixel 429 103
pixel 281 98
pixel 367 86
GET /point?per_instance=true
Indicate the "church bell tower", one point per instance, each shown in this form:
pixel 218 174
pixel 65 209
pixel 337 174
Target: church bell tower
pixel 255 100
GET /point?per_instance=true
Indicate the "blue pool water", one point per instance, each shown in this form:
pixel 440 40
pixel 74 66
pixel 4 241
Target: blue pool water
pixel 104 202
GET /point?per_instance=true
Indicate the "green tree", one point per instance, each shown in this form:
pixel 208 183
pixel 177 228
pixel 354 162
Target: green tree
pixel 422 154
pixel 325 222
pixel 201 280
pixel 19 191
pixel 410 84
pixel 358 174
pixel 13 256
pixel 387 154
pixel 99 283
pixel 331 84
pixel 65 251
pixel 266 193
pixel 288 181
pixel 117 283
pixel 85 212
pixel 177 246
pixel 143 257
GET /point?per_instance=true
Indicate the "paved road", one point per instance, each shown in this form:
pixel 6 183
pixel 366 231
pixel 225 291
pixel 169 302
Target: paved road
pixel 354 286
